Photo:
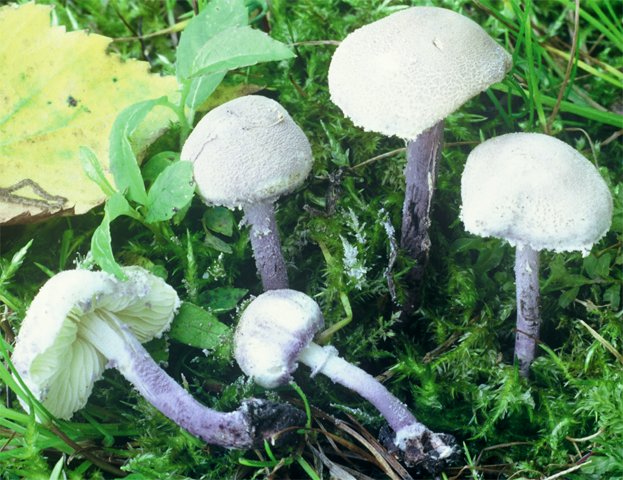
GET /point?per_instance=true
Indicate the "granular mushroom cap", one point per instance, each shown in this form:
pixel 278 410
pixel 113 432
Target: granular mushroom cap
pixel 535 190
pixel 272 331
pixel 246 151
pixel 404 73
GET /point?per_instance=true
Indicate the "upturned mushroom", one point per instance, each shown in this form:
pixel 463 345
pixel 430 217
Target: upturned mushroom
pixel 536 192
pixel 402 75
pixel 246 153
pixel 81 322
pixel 275 332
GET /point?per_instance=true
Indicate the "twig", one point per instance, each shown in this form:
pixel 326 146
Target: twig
pixel 568 470
pixel 570 63
pixel 589 438
pixel 380 459
pixel 378 157
pixel 612 138
pixel 315 42
pixel 590 142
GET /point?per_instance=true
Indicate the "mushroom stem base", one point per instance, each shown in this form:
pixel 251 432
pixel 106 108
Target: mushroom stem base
pixel 235 429
pixel 528 299
pixel 266 245
pixel 417 444
pixel 420 176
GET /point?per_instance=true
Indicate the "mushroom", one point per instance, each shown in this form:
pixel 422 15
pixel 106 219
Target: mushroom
pixel 276 331
pixel 245 154
pixel 402 75
pixel 81 322
pixel 536 192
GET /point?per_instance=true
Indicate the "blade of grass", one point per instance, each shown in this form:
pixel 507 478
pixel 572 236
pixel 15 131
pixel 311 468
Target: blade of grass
pixel 307 467
pixel 590 113
pixel 616 79
pixel 534 64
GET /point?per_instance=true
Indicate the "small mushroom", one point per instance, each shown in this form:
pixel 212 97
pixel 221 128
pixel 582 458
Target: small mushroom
pixel 402 75
pixel 275 332
pixel 535 192
pixel 81 322
pixel 246 153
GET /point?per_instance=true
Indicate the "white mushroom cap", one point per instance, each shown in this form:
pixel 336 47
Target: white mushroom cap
pixel 404 73
pixel 272 331
pixel 534 190
pixel 57 364
pixel 247 150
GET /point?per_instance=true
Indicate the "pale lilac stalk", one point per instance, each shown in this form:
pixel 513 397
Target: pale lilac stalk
pixel 266 244
pixel 528 297
pixel 423 154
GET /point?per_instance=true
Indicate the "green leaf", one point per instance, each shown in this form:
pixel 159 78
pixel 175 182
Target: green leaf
pixel 202 87
pixel 223 299
pixel 93 169
pixel 7 271
pixel 219 220
pixel 217 16
pixel 216 243
pixel 238 47
pixel 156 164
pixel 123 161
pixel 199 328
pixel 101 247
pixel 172 191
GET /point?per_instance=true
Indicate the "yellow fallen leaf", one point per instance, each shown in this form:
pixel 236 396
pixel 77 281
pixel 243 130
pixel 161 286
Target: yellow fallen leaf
pixel 59 91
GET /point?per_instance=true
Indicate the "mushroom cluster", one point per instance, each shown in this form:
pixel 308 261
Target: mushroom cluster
pixel 535 192
pixel 402 75
pixel 275 332
pixel 82 322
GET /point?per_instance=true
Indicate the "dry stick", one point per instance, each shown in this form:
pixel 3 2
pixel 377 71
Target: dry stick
pixel 420 174
pixel 570 63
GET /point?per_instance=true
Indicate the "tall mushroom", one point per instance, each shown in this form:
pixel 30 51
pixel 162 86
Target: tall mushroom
pixel 535 192
pixel 276 331
pixel 246 153
pixel 81 322
pixel 402 75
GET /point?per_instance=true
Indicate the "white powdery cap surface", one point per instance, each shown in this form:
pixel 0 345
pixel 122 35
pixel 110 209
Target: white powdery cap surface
pixel 247 150
pixel 50 355
pixel 535 190
pixel 404 73
pixel 272 331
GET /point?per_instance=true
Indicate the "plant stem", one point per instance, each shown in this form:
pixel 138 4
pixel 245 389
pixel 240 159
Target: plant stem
pixel 420 176
pixel 266 245
pixel 528 295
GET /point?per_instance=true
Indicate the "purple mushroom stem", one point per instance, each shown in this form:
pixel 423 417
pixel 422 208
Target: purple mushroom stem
pixel 235 429
pixel 326 361
pixel 423 155
pixel 410 440
pixel 266 244
pixel 528 319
